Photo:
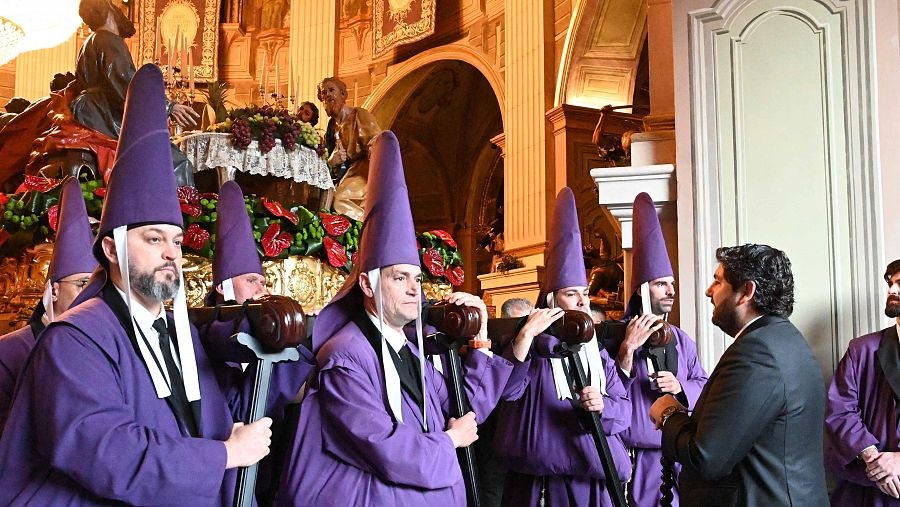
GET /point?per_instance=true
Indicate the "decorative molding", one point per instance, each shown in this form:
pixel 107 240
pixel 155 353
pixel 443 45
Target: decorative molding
pixel 850 128
pixel 618 186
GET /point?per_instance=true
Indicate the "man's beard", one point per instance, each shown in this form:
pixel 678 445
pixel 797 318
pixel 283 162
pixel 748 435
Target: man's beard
pixel 892 307
pixel 723 317
pixel 659 307
pixel 147 285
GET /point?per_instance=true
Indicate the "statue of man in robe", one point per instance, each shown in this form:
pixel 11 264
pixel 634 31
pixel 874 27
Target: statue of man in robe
pixel 348 137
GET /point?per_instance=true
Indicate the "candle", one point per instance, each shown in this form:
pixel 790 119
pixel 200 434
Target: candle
pixel 290 82
pixel 191 69
pixel 277 80
pixel 184 56
pixel 170 63
pixel 177 42
pixel 156 44
pixel 262 73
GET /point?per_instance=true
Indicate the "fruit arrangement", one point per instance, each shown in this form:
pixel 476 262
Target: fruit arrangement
pixel 29 217
pixel 267 125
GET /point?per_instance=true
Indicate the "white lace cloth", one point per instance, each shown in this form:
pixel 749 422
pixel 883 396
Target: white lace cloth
pixel 211 150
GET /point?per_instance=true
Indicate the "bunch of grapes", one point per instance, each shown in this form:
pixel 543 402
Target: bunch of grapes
pixel 267 138
pixel 309 135
pixel 240 130
pixel 289 133
pixel 208 205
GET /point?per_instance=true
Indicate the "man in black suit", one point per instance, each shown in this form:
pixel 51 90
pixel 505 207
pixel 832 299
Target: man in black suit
pixel 755 436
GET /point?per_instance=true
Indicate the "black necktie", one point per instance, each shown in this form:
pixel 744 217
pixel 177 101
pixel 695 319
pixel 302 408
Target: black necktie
pixel 179 398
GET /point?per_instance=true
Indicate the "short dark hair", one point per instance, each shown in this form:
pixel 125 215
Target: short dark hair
pixel 315 112
pixel 891 270
pixel 769 268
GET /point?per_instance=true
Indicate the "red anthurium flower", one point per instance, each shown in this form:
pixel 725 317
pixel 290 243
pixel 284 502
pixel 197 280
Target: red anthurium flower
pixel 455 276
pixel 195 237
pixel 3 199
pixel 189 195
pixel 433 261
pixel 337 256
pixel 354 257
pixel 445 237
pixel 38 183
pixel 53 216
pixel 274 241
pixel 190 209
pixel 100 192
pixel 209 195
pixel 334 224
pixel 277 209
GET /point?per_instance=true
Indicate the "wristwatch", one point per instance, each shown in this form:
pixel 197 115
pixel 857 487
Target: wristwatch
pixel 668 412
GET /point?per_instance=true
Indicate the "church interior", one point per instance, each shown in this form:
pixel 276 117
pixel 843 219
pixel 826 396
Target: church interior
pixel 746 121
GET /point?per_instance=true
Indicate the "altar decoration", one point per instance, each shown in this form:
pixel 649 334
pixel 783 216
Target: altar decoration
pixel 267 125
pixel 306 254
pixel 180 34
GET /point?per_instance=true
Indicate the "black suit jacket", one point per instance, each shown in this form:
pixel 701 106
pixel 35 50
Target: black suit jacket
pixel 755 435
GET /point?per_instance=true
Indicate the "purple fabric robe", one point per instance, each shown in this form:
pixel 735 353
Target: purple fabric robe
pixel 14 350
pixel 86 426
pixel 349 450
pixel 642 436
pixel 543 443
pixel 861 411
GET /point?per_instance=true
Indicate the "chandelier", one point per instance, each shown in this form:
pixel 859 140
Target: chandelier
pixel 35 24
pixel 11 36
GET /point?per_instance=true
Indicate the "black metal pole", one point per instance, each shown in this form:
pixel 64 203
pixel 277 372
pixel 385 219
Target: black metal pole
pixel 459 406
pixel 606 461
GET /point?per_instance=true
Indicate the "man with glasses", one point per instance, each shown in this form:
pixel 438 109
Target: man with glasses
pixel 70 267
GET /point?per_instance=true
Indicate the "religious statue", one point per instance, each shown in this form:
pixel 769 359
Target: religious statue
pixel 348 136
pixel 102 74
pixel 87 114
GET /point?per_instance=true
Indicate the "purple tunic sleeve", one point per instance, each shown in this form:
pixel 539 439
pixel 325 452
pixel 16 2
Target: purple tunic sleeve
pixel 92 437
pixel 14 350
pixel 486 379
pixel 362 433
pixel 844 426
pixel 616 415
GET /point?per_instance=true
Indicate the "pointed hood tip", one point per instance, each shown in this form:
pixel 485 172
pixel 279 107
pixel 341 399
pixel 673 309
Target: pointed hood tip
pixel 236 252
pixel 143 155
pixel 72 250
pixel 650 258
pixel 564 261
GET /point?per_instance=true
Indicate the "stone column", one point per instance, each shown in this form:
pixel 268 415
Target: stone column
pixel 528 174
pixel 312 51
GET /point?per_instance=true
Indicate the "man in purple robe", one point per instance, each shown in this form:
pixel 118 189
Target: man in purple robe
pixel 552 459
pixel 118 403
pixel 374 426
pixel 70 267
pixel 238 277
pixel 649 371
pixel 861 420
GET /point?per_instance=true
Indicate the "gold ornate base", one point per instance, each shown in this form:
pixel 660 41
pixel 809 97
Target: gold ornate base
pixel 307 280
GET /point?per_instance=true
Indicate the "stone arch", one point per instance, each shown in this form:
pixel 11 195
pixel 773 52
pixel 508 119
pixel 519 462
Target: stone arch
pixel 459 52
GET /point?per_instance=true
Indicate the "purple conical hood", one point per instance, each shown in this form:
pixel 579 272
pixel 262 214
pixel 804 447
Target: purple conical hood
pixel 388 236
pixel 72 251
pixel 236 252
pixel 141 186
pixel 564 260
pixel 649 259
